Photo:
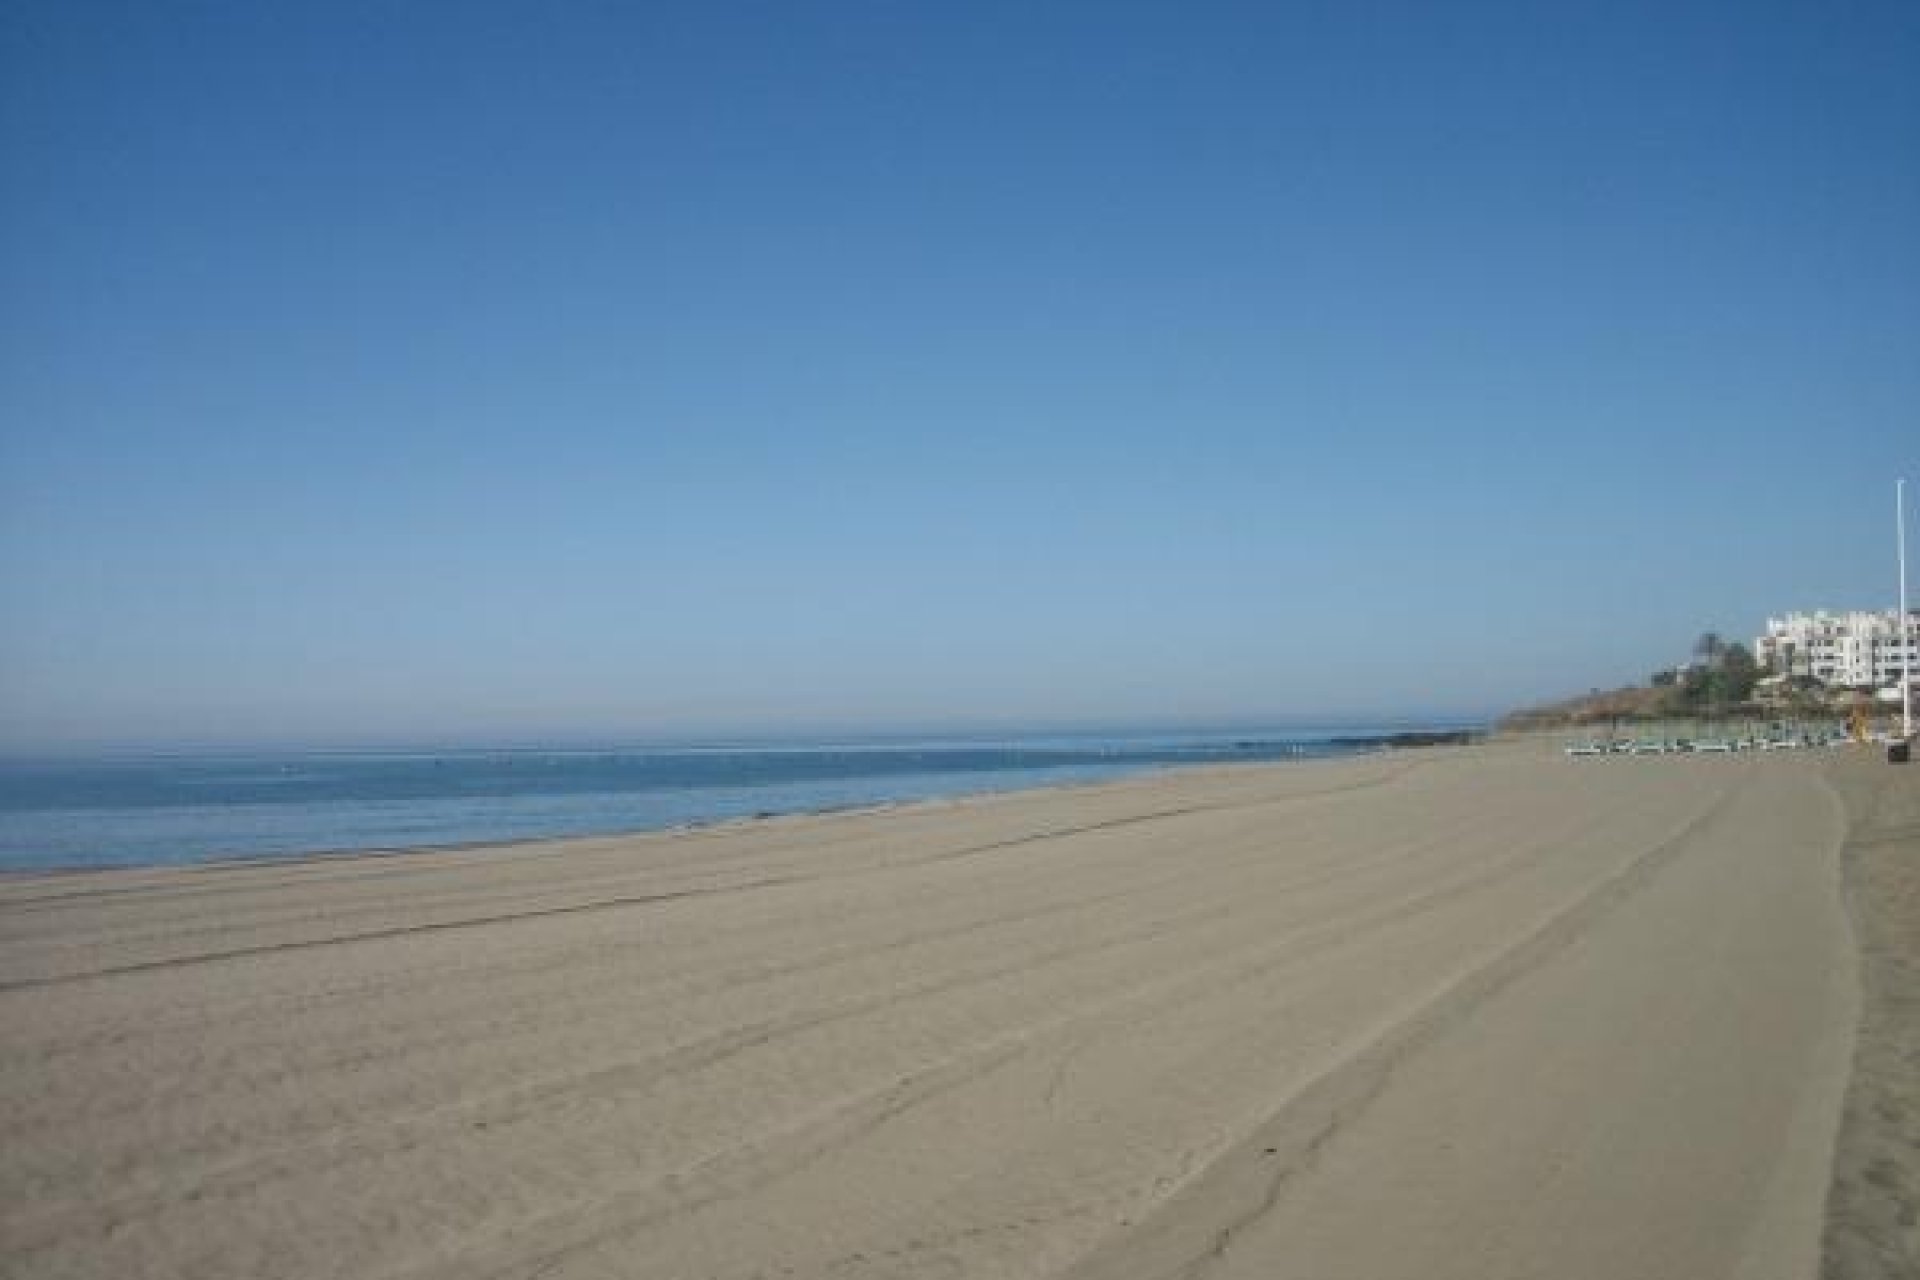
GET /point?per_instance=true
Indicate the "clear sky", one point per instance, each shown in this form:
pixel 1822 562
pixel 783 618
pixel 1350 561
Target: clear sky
pixel 378 372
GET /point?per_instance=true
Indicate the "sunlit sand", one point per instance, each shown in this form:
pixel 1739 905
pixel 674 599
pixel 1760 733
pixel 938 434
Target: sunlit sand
pixel 1467 1012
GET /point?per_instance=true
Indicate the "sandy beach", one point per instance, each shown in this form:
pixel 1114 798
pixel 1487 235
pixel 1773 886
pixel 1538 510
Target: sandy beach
pixel 1477 1012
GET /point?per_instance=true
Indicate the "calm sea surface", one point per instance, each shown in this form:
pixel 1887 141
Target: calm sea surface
pixel 130 810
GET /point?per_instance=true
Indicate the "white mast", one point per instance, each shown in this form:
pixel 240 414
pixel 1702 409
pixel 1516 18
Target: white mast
pixel 1907 637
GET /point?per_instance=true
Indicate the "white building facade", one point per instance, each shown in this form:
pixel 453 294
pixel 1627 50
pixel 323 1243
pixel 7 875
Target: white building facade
pixel 1859 648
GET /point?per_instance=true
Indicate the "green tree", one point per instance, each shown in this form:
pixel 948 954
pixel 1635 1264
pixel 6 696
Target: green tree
pixel 1733 677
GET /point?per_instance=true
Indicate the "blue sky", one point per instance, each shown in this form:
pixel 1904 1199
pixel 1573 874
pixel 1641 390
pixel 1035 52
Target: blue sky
pixel 447 372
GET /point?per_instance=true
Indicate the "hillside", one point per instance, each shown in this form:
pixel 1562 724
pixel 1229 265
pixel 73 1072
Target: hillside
pixel 1634 702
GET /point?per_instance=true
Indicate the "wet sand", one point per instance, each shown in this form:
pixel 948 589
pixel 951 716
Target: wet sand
pixel 1468 1012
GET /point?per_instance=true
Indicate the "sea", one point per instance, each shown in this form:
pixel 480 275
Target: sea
pixel 154 808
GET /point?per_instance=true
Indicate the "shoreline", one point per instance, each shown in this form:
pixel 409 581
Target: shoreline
pixel 1346 748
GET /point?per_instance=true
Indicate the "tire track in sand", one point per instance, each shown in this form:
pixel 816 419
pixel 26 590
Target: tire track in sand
pixel 1194 1226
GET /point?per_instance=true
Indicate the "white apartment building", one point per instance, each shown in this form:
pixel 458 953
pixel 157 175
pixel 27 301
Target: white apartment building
pixel 1858 648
